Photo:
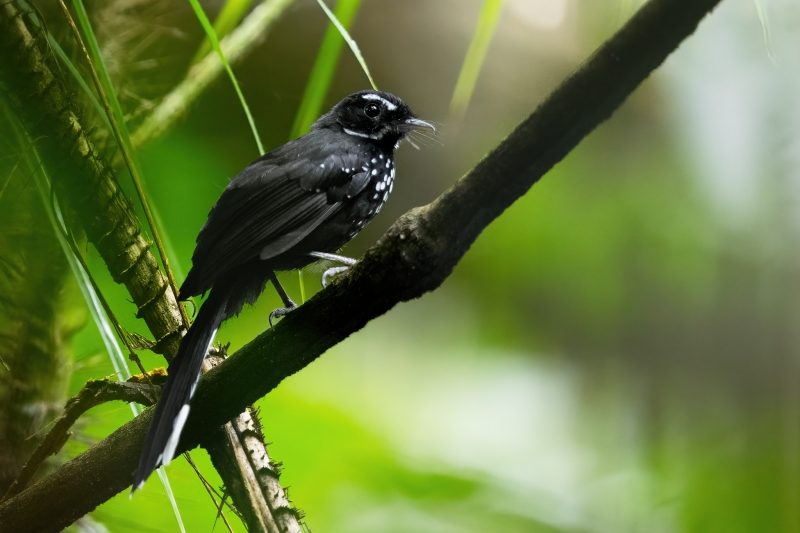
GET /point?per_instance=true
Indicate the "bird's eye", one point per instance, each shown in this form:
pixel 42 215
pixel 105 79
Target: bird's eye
pixel 372 110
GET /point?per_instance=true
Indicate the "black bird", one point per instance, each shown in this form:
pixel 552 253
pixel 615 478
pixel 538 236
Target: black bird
pixel 290 207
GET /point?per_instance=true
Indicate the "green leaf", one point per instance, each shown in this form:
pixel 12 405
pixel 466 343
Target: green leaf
pixel 77 75
pixel 487 22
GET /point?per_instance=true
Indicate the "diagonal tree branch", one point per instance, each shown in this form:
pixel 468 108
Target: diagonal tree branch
pixel 93 393
pixel 416 254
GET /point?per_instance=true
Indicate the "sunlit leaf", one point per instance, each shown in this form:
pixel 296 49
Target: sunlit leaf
pixel 476 53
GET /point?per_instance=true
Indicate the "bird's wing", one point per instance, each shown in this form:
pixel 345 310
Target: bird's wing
pixel 269 207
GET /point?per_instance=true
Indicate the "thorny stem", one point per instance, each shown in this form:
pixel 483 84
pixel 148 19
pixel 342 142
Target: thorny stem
pixel 128 156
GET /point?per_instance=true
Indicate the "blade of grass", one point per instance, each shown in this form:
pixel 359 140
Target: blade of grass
pixel 108 97
pixel 212 36
pixel 468 77
pixel 119 127
pixel 350 42
pixel 324 68
pixel 231 14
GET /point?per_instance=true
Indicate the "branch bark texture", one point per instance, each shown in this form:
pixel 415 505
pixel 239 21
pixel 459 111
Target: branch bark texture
pixel 415 255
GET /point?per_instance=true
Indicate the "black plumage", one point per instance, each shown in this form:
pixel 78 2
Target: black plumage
pixel 288 208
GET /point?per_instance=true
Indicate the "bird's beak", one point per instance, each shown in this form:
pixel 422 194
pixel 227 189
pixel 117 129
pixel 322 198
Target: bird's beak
pixel 411 124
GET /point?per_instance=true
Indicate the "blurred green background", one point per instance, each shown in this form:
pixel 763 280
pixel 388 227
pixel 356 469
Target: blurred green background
pixel 619 352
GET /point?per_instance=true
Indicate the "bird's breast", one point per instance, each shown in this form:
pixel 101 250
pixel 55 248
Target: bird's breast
pixel 369 202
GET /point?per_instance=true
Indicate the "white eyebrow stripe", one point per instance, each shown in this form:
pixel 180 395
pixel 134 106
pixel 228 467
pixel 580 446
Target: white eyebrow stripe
pixel 369 96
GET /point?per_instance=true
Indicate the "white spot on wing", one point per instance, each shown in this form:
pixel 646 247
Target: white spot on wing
pixel 177 427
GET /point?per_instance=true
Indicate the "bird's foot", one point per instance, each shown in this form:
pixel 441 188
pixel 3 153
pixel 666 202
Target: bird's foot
pixel 282 311
pixel 332 272
pixel 349 261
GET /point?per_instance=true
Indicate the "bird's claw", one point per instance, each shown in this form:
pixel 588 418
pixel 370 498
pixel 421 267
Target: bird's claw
pixel 281 311
pixel 332 272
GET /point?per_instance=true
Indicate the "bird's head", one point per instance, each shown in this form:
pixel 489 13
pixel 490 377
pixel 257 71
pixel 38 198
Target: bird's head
pixel 373 115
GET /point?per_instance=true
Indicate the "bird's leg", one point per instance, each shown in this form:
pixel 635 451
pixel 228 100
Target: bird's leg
pixel 335 270
pixel 290 305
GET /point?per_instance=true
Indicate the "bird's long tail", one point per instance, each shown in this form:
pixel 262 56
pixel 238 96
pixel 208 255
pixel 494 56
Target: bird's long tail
pixel 183 374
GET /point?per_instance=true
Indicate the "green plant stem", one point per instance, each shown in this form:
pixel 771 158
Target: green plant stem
pixel 212 36
pixel 350 42
pixel 232 12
